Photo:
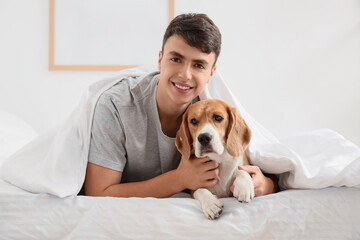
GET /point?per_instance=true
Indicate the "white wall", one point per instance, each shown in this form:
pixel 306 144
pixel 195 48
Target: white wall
pixel 294 65
pixel 40 97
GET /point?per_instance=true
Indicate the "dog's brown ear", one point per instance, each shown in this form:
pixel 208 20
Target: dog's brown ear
pixel 238 134
pixel 183 138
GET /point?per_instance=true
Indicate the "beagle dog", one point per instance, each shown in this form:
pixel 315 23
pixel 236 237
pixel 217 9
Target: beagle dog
pixel 212 128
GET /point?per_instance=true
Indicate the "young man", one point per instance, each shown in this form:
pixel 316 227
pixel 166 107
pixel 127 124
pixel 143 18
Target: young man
pixel 132 148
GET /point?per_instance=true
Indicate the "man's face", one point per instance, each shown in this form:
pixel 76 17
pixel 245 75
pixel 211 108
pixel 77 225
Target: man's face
pixel 184 70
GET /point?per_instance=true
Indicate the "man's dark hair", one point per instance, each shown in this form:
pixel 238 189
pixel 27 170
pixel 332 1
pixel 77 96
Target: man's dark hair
pixel 198 30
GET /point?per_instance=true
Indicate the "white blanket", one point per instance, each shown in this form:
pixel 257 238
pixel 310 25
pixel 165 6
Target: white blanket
pixel 56 162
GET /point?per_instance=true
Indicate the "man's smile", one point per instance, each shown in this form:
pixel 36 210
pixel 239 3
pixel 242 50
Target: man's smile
pixel 182 87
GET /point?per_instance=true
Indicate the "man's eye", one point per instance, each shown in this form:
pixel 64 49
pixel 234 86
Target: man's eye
pixel 175 59
pixel 218 118
pixel 194 122
pixel 199 66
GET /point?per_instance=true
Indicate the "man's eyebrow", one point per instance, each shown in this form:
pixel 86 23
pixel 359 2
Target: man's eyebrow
pixel 176 54
pixel 201 61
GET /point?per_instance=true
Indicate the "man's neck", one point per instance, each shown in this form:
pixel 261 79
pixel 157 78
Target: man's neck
pixel 170 115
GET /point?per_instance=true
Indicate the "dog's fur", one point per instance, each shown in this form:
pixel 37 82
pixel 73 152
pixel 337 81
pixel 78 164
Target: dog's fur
pixel 224 136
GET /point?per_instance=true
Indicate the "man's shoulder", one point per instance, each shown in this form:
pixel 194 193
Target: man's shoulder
pixel 130 90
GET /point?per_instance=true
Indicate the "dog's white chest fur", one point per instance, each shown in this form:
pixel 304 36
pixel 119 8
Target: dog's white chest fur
pixel 228 167
pixel 229 175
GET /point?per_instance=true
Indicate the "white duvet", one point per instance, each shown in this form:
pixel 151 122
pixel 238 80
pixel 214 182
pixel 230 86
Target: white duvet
pixel 55 163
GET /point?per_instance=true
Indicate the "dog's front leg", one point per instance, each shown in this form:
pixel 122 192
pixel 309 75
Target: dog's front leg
pixel 243 186
pixel 210 204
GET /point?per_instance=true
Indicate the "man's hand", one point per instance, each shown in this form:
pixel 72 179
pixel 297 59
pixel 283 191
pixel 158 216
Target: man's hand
pixel 198 172
pixel 262 185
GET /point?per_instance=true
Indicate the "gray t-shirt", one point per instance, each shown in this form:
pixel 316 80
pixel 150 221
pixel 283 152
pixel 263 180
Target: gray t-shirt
pixel 126 133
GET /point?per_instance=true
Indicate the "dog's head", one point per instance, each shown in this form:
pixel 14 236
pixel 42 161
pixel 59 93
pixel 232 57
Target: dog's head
pixel 210 126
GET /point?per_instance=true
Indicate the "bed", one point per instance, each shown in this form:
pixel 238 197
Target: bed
pixel 319 200
pixel 330 213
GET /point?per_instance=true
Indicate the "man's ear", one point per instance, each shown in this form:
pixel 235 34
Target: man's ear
pixel 212 73
pixel 213 70
pixel 183 138
pixel 159 60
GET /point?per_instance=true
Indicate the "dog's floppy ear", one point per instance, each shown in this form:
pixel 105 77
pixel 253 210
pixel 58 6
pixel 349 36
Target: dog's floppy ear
pixel 183 139
pixel 238 134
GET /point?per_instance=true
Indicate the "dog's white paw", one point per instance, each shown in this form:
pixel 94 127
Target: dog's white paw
pixel 212 207
pixel 244 189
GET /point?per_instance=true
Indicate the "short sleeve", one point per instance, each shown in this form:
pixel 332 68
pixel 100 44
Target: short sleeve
pixel 107 142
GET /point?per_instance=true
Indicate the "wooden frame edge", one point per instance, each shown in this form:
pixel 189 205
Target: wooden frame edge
pixel 54 67
pixel 171 10
pixel 51 34
pixel 91 67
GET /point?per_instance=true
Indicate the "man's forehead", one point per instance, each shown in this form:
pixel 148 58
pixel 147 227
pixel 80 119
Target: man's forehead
pixel 177 46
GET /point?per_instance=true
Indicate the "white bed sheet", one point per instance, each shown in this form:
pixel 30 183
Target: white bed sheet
pixel 330 213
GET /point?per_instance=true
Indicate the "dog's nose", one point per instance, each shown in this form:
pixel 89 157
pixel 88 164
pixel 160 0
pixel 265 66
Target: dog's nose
pixel 204 139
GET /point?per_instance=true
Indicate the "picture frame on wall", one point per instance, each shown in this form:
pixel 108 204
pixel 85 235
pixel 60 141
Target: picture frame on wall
pixel 106 35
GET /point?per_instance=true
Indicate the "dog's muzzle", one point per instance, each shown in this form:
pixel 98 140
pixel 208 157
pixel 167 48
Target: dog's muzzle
pixel 208 142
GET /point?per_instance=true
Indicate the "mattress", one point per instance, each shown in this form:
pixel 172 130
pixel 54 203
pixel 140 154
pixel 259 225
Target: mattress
pixel 330 213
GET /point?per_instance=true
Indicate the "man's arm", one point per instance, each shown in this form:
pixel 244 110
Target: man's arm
pixel 192 173
pixel 102 181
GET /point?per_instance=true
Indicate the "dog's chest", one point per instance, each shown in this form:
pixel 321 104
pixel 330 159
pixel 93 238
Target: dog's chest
pixel 226 177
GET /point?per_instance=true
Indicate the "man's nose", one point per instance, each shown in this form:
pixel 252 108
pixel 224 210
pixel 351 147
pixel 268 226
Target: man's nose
pixel 185 72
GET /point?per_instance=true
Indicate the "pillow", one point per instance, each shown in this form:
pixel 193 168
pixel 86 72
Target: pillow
pixel 14 134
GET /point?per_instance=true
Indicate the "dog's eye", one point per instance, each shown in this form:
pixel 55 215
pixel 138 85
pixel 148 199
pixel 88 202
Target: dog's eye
pixel 218 118
pixel 194 122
